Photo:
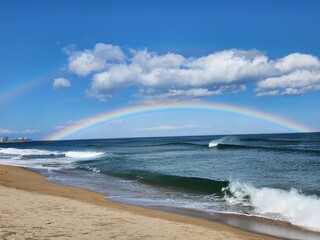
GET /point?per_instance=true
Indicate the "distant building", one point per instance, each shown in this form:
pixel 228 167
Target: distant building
pixel 3 139
pixel 14 140
pixel 23 139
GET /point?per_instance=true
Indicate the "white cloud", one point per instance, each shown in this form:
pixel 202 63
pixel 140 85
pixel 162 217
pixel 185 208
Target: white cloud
pixel 100 94
pixel 295 83
pixel 151 70
pixel 296 61
pixel 87 61
pixel 29 131
pixel 64 125
pixel 172 75
pixel 5 131
pixel 10 132
pixel 61 82
pixel 152 95
pixel 165 128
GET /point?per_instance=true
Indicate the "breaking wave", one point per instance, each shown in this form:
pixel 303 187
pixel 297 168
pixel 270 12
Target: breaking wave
pixel 287 205
pixel 278 204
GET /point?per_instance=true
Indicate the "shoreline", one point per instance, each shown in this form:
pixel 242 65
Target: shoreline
pixel 34 185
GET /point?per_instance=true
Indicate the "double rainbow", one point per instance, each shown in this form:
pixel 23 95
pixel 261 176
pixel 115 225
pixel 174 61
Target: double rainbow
pixel 140 109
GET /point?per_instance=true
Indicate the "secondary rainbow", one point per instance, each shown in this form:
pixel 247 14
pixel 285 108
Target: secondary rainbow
pixel 140 109
pixel 21 88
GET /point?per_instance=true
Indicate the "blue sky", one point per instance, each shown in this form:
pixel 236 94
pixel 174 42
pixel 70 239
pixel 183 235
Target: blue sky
pixel 64 61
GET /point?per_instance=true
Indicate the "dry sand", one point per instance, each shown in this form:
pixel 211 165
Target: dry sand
pixel 33 208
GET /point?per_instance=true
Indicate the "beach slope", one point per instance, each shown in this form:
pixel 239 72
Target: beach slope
pixel 33 208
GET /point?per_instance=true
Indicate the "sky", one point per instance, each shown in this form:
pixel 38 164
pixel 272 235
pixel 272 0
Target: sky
pixel 63 62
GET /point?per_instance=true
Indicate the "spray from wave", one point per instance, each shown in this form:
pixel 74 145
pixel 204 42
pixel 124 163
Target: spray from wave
pixel 227 139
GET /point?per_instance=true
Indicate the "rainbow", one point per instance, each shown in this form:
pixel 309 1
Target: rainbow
pixel 21 88
pixel 140 109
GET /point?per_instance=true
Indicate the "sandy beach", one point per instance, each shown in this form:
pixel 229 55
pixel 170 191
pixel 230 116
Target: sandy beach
pixel 33 208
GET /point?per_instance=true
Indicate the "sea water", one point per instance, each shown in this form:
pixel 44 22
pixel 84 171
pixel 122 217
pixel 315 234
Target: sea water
pixel 273 176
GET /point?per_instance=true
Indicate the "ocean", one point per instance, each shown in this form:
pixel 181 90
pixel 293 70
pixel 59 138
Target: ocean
pixel 267 183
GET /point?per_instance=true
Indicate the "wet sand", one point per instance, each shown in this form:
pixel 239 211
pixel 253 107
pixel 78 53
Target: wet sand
pixel 33 208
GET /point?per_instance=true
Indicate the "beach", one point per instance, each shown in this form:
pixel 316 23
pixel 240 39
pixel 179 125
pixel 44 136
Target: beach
pixel 34 208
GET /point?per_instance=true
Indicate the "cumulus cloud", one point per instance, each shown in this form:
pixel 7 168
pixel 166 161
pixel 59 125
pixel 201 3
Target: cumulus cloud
pixel 296 61
pixel 61 83
pixel 295 83
pixel 91 60
pixel 173 75
pixel 300 73
pixel 152 70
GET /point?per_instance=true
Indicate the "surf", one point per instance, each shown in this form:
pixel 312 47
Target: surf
pixel 45 153
pixel 277 204
pixel 45 159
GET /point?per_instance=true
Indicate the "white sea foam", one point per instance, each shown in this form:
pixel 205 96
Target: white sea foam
pixel 25 152
pixel 37 152
pixel 291 205
pixel 94 169
pixel 81 155
pixel 43 159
